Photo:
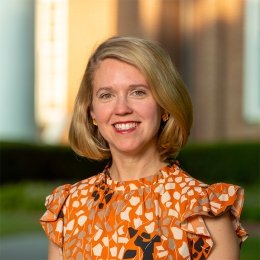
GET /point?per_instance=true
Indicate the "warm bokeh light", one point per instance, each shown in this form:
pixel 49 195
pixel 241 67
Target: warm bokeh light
pixel 51 68
pixel 149 13
pixel 213 10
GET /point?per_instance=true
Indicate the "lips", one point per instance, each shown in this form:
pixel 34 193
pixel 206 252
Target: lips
pixel 125 126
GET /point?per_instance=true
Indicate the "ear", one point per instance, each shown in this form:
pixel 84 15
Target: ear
pixel 91 112
pixel 94 122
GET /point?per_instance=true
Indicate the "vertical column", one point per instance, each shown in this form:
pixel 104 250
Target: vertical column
pixel 251 102
pixel 205 69
pixel 128 18
pixel 51 68
pixel 17 70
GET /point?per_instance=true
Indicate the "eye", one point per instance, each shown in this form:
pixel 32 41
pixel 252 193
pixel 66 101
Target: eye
pixel 139 92
pixel 105 96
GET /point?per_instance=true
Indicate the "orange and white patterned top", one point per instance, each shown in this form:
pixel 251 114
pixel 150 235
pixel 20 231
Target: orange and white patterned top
pixel 157 217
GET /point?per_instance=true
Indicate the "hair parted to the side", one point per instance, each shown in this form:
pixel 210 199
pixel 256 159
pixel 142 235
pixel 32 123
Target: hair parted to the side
pixel 166 85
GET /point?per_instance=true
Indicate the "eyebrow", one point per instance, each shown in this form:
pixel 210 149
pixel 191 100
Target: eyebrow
pixel 132 86
pixel 103 88
pixel 139 85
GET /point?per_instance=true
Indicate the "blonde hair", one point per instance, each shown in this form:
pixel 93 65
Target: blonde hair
pixel 166 85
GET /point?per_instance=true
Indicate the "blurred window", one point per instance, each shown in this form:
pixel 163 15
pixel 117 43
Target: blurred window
pixel 252 62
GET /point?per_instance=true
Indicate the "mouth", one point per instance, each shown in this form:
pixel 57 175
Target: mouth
pixel 127 126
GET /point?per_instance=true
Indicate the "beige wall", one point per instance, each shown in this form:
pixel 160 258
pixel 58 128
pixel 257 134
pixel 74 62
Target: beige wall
pixel 90 22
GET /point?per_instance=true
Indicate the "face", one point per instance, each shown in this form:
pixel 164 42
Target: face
pixel 123 106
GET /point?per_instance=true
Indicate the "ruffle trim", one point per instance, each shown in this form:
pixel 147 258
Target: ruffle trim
pixel 212 201
pixel 208 201
pixel 52 220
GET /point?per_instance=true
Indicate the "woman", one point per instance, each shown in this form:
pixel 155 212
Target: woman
pixel 132 107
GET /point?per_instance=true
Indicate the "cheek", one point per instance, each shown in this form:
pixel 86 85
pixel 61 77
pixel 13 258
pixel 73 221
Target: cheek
pixel 153 116
pixel 101 113
pixel 153 112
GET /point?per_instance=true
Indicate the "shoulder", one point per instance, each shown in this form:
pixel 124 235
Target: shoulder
pixel 210 214
pixel 182 180
pixel 187 182
pixel 198 197
pixel 55 201
pixel 63 199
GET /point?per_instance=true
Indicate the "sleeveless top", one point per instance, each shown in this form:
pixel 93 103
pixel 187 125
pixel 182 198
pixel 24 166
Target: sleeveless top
pixel 156 217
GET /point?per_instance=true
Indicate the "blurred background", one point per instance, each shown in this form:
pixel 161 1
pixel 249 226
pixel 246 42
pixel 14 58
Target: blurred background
pixel 45 45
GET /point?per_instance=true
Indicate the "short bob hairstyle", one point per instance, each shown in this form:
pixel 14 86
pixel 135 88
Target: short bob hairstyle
pixel 167 89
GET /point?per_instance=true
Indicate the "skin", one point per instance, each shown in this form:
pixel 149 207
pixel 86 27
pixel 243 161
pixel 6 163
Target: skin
pixel 54 252
pixel 122 98
pixel 226 243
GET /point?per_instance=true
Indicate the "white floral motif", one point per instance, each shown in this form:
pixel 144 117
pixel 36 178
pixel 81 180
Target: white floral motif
pixel 105 241
pixel 183 250
pixel 98 234
pixel 177 233
pixel 82 220
pixel 159 189
pixel 150 228
pixel 165 197
pixel 231 190
pixel 121 230
pixel 113 251
pixel 223 197
pixel 125 214
pixel 149 215
pixel 134 200
pixel 139 210
pixel 176 195
pixel 173 213
pixel 75 204
pixel 59 226
pixel 170 186
pixel 178 179
pixel 70 224
pixel 137 222
pixel 97 250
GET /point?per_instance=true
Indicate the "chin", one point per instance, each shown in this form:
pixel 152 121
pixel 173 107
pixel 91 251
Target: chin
pixel 131 151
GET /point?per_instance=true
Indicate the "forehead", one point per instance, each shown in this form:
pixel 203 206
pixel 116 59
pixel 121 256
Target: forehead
pixel 114 62
pixel 116 70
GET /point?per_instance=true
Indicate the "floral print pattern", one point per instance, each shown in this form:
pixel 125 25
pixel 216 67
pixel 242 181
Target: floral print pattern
pixel 157 217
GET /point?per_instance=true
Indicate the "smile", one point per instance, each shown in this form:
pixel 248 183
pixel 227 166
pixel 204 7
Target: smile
pixel 125 126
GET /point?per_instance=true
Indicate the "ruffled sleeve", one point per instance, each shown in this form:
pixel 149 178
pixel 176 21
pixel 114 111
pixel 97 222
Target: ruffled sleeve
pixel 211 201
pixel 52 219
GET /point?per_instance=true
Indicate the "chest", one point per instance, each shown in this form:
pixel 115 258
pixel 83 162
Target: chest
pixel 138 224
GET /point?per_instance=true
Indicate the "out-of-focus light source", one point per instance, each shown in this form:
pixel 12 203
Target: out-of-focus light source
pixel 51 68
pixel 149 13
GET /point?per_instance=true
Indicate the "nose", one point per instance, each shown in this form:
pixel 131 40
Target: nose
pixel 122 106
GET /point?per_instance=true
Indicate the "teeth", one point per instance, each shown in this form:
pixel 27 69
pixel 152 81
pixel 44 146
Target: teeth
pixel 126 126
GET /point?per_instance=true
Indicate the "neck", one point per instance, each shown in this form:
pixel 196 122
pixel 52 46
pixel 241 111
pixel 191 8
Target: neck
pixel 125 168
